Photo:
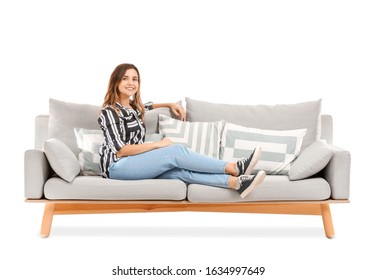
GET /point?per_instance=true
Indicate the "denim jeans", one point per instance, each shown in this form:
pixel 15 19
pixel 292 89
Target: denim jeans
pixel 172 162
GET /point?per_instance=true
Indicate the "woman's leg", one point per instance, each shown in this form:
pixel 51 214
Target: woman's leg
pixel 177 162
pixel 243 184
pixel 192 177
pixel 151 164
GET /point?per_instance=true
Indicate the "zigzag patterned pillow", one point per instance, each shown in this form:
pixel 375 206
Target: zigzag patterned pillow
pixel 89 141
pixel 279 147
pixel 201 137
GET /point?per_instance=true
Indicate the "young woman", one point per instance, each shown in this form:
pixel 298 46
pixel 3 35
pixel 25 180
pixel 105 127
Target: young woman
pixel 125 156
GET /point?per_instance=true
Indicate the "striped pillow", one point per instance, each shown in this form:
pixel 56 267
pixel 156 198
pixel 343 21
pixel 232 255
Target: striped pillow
pixel 279 147
pixel 201 137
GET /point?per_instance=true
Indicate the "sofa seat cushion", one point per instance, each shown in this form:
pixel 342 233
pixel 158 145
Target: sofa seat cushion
pixel 273 188
pixel 98 188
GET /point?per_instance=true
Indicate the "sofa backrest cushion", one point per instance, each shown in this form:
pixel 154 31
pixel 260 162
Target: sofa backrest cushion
pixel 64 117
pixel 272 117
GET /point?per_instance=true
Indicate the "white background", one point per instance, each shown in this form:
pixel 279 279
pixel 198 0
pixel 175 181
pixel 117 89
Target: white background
pixel 244 52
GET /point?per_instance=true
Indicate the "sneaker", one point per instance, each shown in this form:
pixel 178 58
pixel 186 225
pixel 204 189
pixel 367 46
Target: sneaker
pixel 245 166
pixel 247 183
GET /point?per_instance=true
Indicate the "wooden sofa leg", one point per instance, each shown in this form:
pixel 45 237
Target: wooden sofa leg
pixel 47 219
pixel 327 220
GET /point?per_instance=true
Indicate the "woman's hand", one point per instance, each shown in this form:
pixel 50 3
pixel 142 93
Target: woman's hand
pixel 164 143
pixel 175 108
pixel 178 111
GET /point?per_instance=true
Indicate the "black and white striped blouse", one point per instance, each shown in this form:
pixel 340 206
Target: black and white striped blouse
pixel 119 129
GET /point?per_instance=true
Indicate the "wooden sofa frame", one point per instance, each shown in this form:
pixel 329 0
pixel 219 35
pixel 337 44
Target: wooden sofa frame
pixel 63 207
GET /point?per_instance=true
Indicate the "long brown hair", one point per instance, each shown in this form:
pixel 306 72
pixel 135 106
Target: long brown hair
pixel 112 95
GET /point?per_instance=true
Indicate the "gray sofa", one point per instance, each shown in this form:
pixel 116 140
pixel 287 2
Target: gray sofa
pixel 56 175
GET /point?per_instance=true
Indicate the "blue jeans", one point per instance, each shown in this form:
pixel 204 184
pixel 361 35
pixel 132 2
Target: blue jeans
pixel 172 162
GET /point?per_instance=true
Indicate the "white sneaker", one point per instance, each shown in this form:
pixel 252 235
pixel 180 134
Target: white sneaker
pixel 247 183
pixel 246 165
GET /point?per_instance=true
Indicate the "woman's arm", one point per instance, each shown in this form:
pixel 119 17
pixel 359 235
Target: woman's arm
pixel 109 122
pixel 131 150
pixel 177 109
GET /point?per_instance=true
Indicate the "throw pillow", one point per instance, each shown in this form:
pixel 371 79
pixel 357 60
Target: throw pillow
pixel 279 147
pixel 201 137
pixel 89 142
pixel 311 161
pixel 273 117
pixel 62 160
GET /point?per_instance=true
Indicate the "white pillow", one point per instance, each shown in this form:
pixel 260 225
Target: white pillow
pixel 62 160
pixel 201 137
pixel 279 147
pixel 311 161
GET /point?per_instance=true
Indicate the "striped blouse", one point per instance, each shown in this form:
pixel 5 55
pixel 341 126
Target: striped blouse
pixel 119 129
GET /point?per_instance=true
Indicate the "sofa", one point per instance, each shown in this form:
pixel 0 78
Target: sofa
pixel 305 171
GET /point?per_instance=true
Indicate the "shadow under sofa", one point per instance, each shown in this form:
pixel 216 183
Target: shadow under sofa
pixel 278 194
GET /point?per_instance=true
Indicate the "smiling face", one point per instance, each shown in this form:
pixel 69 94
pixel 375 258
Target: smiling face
pixel 129 84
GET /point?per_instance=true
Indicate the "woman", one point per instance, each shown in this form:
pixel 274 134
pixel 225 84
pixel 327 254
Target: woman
pixel 125 156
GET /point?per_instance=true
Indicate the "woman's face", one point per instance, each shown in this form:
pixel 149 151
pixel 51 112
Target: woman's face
pixel 129 84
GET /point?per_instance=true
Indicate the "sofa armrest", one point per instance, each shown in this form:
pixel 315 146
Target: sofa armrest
pixel 337 173
pixel 36 172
